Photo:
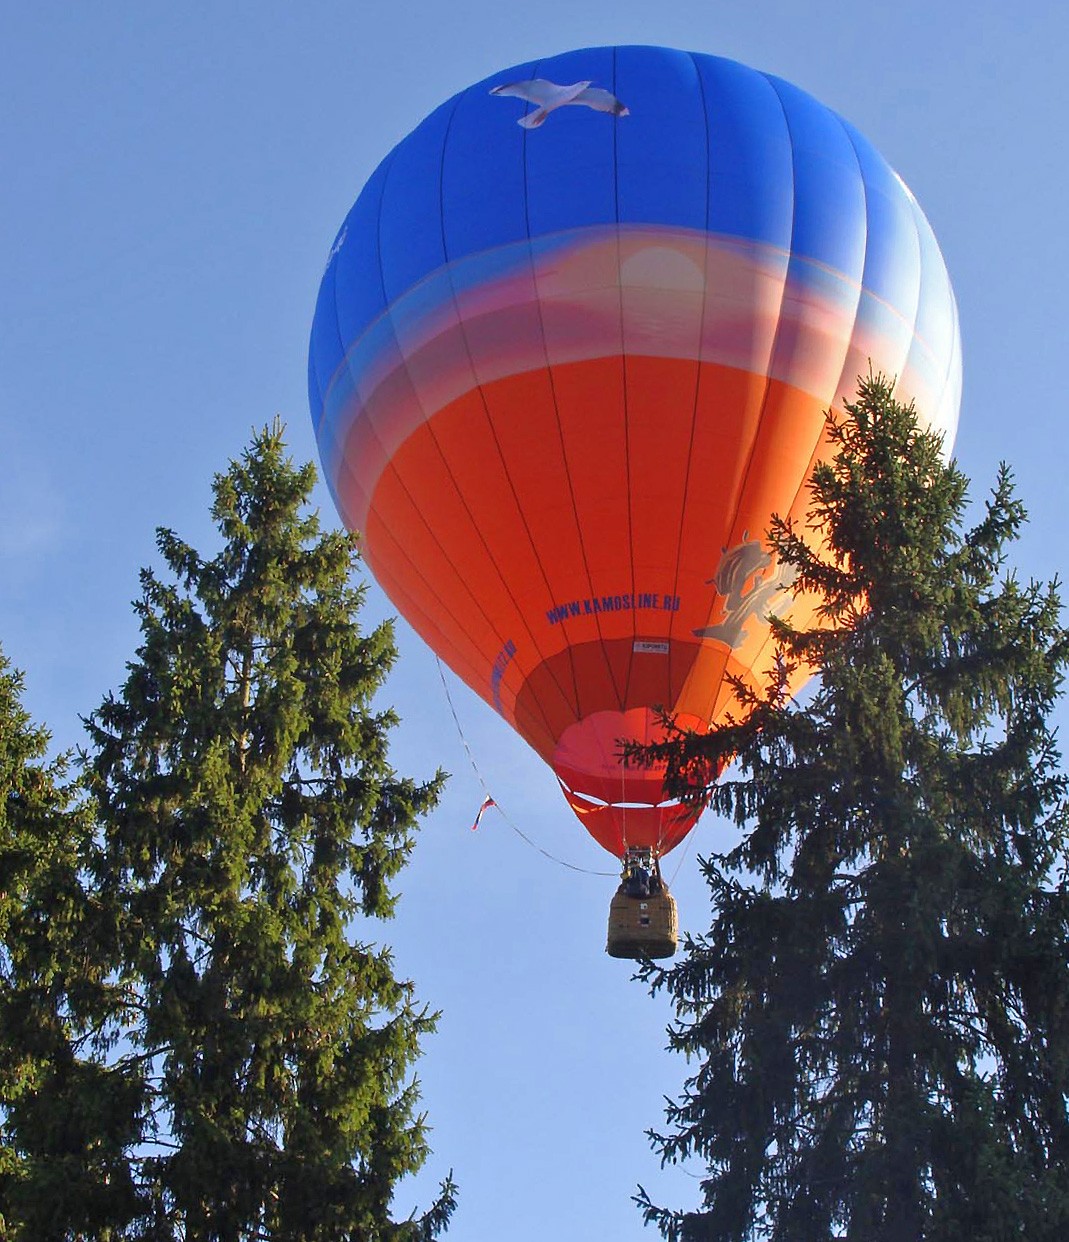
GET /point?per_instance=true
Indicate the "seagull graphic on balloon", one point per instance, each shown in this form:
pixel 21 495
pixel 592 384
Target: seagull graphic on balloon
pixel 548 97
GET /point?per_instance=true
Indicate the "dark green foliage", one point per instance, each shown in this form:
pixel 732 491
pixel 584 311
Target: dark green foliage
pixel 249 825
pixel 879 1015
pixel 67 1123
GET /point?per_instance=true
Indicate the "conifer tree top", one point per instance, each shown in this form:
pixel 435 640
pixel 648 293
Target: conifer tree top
pixel 255 1046
pixel 876 1016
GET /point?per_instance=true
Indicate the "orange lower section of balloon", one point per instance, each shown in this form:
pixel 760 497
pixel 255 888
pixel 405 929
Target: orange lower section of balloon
pixel 581 601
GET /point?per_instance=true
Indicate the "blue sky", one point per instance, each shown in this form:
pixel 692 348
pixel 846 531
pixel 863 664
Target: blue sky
pixel 173 178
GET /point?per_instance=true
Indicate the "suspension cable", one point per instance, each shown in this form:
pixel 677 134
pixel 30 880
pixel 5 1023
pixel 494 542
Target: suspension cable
pixel 493 801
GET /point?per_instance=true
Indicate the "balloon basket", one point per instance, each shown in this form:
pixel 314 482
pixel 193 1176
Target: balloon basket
pixel 643 921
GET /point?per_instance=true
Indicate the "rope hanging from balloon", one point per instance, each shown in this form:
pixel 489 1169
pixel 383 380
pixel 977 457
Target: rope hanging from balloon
pixel 490 801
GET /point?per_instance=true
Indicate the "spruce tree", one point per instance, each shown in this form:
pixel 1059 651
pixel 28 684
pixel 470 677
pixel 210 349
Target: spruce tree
pixel 250 828
pixel 70 1116
pixel 878 1017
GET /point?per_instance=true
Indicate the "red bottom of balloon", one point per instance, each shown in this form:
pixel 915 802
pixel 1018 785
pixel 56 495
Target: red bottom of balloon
pixel 621 804
pixel 620 827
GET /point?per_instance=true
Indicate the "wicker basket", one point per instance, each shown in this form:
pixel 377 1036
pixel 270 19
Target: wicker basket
pixel 641 927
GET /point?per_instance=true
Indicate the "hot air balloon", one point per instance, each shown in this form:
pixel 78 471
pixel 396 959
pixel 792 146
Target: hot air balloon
pixel 573 347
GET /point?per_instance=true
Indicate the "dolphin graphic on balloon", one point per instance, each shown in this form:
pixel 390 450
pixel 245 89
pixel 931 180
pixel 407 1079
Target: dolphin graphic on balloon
pixel 562 376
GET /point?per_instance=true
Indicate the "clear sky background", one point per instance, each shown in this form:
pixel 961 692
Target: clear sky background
pixel 172 178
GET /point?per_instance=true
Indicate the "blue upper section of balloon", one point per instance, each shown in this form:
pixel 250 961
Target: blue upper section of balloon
pixel 708 145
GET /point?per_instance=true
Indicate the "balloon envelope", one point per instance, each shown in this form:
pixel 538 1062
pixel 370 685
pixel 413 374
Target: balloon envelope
pixel 563 372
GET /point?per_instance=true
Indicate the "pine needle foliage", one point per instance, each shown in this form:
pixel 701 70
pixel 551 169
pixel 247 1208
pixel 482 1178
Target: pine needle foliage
pixel 67 1119
pixel 246 830
pixel 878 1017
